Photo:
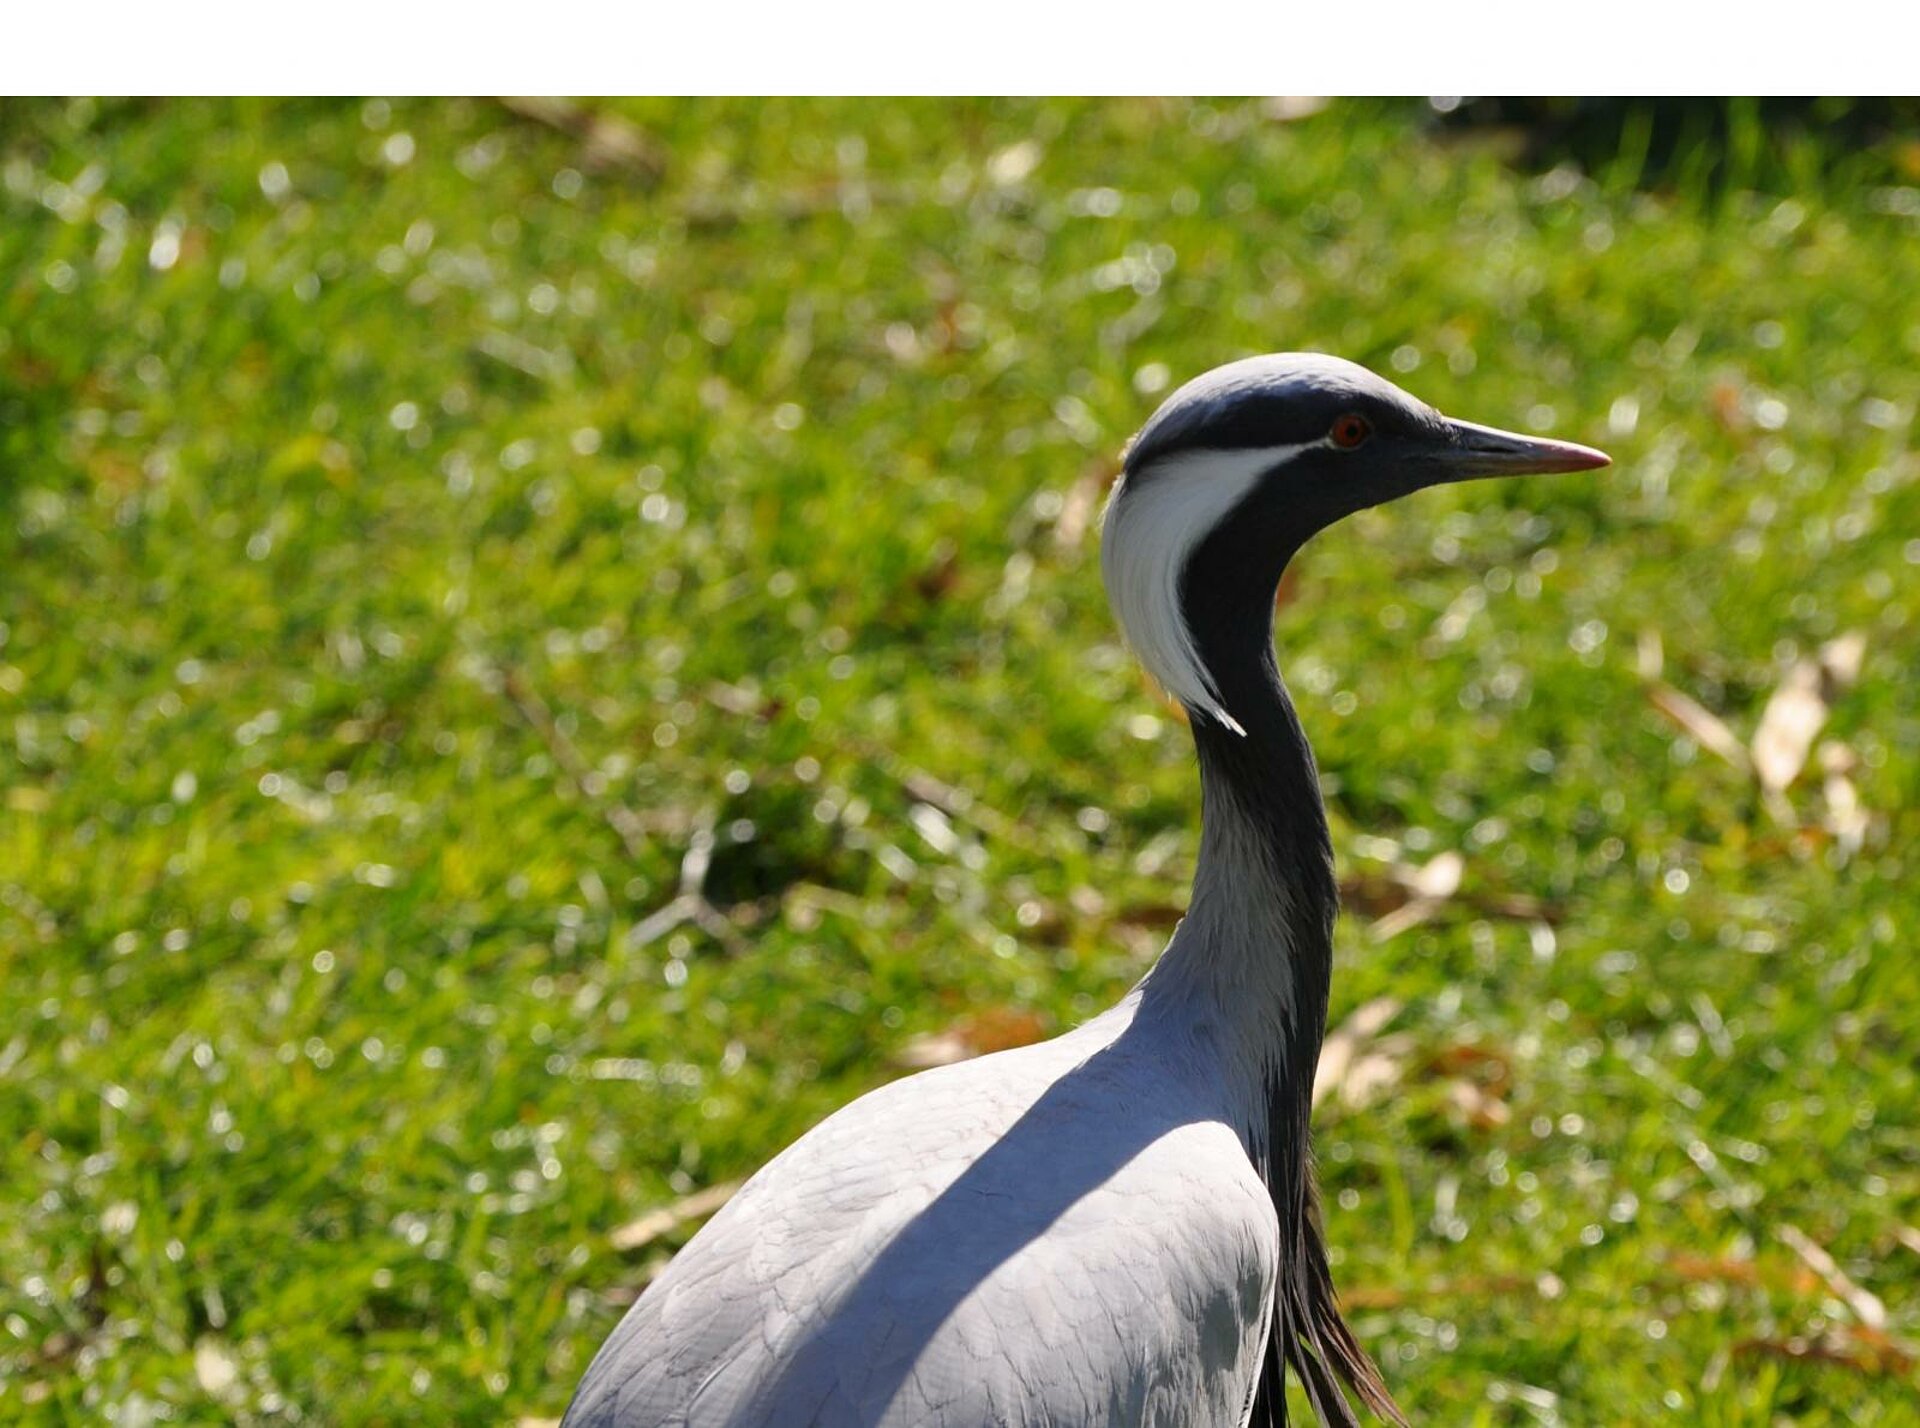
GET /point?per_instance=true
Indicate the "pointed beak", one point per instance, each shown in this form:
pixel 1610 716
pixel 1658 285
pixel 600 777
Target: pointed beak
pixel 1473 451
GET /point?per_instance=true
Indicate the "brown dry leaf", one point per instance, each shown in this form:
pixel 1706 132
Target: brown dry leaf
pixel 936 1048
pixel 1477 1080
pixel 1345 1042
pixel 640 1233
pixel 1708 730
pixel 1501 1286
pixel 1369 894
pixel 1649 655
pixel 1794 715
pixel 1523 907
pixel 959 804
pixel 1870 1354
pixel 1492 1067
pixel 1015 163
pixel 936 580
pixel 1842 657
pixel 1374 894
pixel 1787 727
pixel 1701 1269
pixel 606 140
pixel 1288 589
pixel 1376 1071
pixel 1482 1108
pixel 1846 818
pixel 1286 108
pixel 1404 918
pixel 1431 884
pixel 1865 1304
pixel 1728 408
pixel 976 1034
pixel 1087 900
pixel 1002 1028
pixel 739 700
pixel 1162 916
pixel 1439 877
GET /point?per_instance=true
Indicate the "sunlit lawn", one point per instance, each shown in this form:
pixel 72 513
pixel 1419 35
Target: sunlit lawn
pixel 427 541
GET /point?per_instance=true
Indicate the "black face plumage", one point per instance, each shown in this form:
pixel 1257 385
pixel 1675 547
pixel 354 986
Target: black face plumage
pixel 1340 439
pixel 1237 470
pixel 1241 466
pixel 1281 400
pixel 1306 410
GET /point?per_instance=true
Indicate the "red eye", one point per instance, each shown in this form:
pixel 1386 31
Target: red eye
pixel 1350 430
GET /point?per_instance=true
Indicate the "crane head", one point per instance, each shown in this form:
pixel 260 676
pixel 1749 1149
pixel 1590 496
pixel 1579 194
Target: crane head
pixel 1240 467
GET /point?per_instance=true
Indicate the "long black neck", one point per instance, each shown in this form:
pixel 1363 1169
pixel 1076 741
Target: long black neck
pixel 1264 832
pixel 1266 862
pixel 1263 910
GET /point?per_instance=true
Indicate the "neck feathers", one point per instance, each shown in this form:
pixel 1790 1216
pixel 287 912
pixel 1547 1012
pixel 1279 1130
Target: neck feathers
pixel 1264 899
pixel 1263 909
pixel 1193 550
pixel 1157 520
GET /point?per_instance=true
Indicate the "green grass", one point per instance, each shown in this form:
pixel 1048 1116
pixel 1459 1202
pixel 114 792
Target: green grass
pixel 387 523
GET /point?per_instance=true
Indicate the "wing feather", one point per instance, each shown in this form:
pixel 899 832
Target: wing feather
pixel 1026 1238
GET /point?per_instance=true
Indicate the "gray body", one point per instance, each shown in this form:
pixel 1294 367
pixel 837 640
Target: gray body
pixel 1117 1228
pixel 1070 1233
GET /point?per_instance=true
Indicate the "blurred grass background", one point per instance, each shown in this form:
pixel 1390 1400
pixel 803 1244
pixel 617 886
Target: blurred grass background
pixel 544 648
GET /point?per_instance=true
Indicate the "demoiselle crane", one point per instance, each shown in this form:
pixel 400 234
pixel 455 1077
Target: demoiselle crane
pixel 1118 1226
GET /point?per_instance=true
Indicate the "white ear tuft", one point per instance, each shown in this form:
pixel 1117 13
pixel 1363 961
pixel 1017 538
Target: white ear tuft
pixel 1155 520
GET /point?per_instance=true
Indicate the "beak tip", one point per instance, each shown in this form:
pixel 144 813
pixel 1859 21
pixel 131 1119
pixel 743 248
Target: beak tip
pixel 1591 458
pixel 1544 457
pixel 1488 451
